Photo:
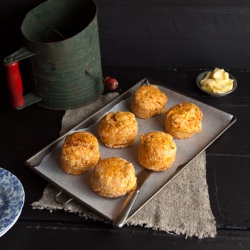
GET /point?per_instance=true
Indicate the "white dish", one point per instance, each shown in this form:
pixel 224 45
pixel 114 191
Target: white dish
pixel 11 200
pixel 203 74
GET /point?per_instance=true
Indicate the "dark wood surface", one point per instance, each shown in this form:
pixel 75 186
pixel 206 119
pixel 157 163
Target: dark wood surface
pixel 175 33
pixel 25 132
pixel 159 33
pixel 164 34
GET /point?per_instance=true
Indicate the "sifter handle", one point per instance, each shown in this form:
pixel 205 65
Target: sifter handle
pixel 15 85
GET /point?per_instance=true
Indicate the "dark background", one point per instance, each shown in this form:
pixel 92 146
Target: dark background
pixel 156 33
pixel 141 38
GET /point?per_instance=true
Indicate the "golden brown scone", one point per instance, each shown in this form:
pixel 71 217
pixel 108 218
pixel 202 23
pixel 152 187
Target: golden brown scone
pixel 113 177
pixel 148 101
pixel 157 151
pixel 80 152
pixel 183 120
pixel 118 130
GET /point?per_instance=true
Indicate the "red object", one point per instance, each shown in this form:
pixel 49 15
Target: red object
pixel 110 83
pixel 15 85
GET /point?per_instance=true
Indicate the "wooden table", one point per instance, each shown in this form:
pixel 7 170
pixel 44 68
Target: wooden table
pixel 25 132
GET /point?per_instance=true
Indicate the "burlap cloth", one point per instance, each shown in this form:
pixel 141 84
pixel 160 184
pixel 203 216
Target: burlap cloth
pixel 183 207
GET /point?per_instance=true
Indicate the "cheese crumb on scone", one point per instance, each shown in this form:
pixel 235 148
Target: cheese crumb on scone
pixel 80 152
pixel 113 177
pixel 118 130
pixel 148 101
pixel 157 151
pixel 183 120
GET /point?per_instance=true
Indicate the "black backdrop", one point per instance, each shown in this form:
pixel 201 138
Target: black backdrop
pixel 156 33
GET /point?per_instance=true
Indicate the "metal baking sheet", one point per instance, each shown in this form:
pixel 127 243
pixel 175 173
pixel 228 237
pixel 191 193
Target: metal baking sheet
pixel 215 122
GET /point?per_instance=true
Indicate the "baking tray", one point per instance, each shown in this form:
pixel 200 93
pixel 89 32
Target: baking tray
pixel 45 163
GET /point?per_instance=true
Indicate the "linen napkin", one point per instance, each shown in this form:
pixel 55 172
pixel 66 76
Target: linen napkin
pixel 182 207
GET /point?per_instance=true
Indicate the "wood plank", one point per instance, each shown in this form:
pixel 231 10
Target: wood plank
pixel 229 185
pixel 72 236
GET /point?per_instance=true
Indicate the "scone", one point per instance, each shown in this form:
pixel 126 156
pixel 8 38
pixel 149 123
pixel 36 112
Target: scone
pixel 80 152
pixel 113 177
pixel 183 120
pixel 148 101
pixel 157 151
pixel 118 130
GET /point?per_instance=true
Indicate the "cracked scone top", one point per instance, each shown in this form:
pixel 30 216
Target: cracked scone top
pixel 148 101
pixel 79 153
pixel 113 177
pixel 118 130
pixel 157 151
pixel 183 120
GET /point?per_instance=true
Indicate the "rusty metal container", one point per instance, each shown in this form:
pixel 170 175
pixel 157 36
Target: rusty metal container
pixel 61 40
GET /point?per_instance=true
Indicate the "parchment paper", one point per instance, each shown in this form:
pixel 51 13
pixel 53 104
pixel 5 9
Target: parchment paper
pixel 214 122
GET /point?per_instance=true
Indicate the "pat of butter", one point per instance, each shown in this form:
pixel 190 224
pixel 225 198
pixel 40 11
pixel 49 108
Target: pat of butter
pixel 217 81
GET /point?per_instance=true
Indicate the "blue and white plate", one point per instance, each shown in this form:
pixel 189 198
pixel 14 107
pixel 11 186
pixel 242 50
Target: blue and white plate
pixel 11 200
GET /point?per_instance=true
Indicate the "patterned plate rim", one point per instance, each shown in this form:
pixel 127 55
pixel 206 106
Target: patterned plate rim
pixel 12 198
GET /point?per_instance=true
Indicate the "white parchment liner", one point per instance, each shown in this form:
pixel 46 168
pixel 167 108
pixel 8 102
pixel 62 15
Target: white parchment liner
pixel 214 122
